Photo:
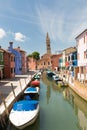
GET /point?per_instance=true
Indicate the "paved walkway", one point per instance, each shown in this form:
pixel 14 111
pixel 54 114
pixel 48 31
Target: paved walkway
pixel 80 89
pixel 19 83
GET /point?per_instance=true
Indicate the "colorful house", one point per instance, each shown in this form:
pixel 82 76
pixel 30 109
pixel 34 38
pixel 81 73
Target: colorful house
pixel 1 63
pixel 68 57
pixel 9 64
pixel 81 70
pixel 18 58
pixel 45 62
pixel 23 59
pixel 55 61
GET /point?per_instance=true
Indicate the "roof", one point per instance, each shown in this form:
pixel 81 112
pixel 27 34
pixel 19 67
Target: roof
pixel 3 50
pixel 70 50
pixel 81 33
pixel 56 55
pixel 19 50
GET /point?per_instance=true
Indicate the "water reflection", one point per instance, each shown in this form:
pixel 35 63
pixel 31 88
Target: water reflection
pixel 79 105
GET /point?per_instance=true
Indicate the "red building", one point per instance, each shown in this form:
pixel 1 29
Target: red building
pixel 9 64
pixel 55 61
pixel 24 66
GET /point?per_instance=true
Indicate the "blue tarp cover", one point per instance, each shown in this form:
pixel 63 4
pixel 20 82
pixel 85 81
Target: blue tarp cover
pixel 25 105
pixel 31 89
pixel 27 97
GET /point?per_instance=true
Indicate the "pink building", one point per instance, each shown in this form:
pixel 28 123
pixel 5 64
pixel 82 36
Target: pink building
pixel 31 63
pixel 81 70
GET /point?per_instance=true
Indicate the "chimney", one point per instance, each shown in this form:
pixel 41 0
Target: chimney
pixel 18 48
pixel 11 44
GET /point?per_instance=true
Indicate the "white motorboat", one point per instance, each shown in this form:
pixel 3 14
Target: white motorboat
pixel 24 113
pixel 31 90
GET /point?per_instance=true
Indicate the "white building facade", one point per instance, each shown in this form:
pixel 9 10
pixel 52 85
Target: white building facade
pixel 81 41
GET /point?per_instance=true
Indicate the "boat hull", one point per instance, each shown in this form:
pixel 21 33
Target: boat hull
pixel 28 123
pixel 17 118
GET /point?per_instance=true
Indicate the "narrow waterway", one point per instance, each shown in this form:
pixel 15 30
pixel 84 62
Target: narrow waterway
pixel 60 109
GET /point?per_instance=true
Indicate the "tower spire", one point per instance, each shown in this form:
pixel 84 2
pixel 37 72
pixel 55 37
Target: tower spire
pixel 48 44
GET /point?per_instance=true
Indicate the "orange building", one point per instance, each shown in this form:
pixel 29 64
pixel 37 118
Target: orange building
pixel 31 63
pixel 45 62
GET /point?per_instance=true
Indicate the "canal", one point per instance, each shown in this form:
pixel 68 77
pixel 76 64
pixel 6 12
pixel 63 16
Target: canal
pixel 60 109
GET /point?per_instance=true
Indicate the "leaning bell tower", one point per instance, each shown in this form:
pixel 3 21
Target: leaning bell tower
pixel 48 44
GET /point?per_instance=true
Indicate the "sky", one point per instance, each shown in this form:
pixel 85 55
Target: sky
pixel 26 23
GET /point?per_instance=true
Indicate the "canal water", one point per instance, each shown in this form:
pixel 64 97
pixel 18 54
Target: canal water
pixel 60 109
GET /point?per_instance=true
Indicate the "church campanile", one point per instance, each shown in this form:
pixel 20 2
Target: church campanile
pixel 48 44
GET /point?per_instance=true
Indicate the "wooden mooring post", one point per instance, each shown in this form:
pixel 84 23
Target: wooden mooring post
pixel 13 90
pixel 4 102
pixel 20 84
pixel 25 81
pixel 2 118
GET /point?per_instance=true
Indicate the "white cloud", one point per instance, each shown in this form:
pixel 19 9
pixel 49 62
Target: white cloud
pixel 20 37
pixel 2 33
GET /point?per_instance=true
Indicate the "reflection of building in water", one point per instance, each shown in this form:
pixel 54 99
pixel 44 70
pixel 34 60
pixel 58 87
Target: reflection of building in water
pixel 82 120
pixel 68 96
pixel 48 93
pixel 79 105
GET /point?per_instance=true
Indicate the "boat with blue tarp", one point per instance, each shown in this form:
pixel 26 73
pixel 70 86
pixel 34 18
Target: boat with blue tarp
pixel 31 93
pixel 24 113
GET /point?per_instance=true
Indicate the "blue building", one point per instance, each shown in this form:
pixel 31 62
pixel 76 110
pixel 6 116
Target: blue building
pixel 72 61
pixel 18 59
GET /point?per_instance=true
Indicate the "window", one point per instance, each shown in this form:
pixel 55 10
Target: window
pixel 1 56
pixel 12 58
pixel 48 63
pixel 72 57
pixel 68 58
pixel 11 70
pixel 85 55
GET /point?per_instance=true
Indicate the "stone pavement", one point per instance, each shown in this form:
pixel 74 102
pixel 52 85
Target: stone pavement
pixel 19 83
pixel 80 89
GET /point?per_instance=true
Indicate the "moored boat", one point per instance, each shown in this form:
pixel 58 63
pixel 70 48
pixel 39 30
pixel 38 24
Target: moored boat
pixel 24 113
pixel 35 83
pixel 55 77
pixel 36 77
pixel 31 90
